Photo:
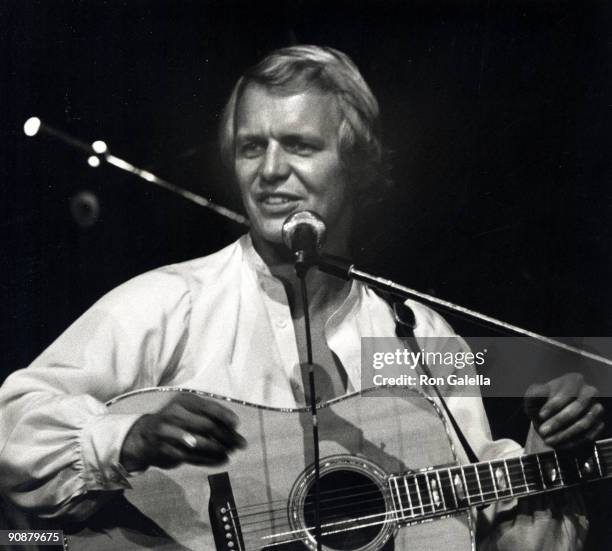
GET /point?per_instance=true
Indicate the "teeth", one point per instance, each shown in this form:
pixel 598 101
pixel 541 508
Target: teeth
pixel 276 200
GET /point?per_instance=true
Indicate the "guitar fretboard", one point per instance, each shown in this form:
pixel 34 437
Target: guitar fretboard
pixel 439 490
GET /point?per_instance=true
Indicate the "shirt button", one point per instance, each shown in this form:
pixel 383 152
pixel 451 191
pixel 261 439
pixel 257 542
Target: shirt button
pixel 281 323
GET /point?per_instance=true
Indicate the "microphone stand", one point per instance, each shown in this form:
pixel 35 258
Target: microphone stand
pixel 301 269
pixel 345 269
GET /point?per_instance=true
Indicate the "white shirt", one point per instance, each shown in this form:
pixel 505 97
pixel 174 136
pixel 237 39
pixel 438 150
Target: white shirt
pixel 221 324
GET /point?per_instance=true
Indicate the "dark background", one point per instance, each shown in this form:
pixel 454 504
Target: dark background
pixel 497 116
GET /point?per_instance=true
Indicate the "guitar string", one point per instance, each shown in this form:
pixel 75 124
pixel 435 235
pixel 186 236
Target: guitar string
pixel 421 512
pixel 348 503
pixel 428 507
pixel 427 503
pixel 377 495
pixel 389 513
pixel 514 469
pixel 327 492
pixel 304 530
pixel 604 454
pixel 302 538
pixel 341 520
pixel 297 538
pixel 285 501
pixel 422 515
pixel 475 495
pixel 303 534
pixel 494 495
pixel 326 510
pixel 331 522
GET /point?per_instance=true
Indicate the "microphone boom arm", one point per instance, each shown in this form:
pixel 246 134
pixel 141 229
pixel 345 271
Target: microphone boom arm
pixel 344 269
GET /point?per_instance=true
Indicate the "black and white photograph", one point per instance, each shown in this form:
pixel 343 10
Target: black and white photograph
pixel 306 275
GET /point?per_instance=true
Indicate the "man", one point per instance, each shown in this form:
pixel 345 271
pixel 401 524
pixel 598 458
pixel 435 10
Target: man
pixel 299 133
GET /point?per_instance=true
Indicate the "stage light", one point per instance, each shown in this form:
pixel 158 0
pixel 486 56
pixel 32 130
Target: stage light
pixel 99 147
pixel 93 161
pixel 147 176
pixel 31 126
pixel 120 163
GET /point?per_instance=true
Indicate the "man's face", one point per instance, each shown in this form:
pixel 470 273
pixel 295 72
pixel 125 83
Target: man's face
pixel 287 160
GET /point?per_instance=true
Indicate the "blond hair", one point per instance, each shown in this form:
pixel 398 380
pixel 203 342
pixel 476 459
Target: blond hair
pixel 294 70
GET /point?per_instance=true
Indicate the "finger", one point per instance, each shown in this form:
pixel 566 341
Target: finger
pixel 167 456
pixel 578 429
pixel 588 438
pixel 535 397
pixel 202 406
pixel 180 445
pixel 555 403
pixel 562 390
pixel 203 451
pixel 570 413
pixel 204 426
pixel 207 452
pixel 587 394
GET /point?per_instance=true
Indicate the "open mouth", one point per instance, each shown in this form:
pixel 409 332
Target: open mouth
pixel 277 202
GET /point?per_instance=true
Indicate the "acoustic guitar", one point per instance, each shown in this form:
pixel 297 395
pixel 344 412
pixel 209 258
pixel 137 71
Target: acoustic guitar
pixel 389 480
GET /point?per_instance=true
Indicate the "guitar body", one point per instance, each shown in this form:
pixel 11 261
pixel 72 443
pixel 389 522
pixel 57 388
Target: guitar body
pixel 265 501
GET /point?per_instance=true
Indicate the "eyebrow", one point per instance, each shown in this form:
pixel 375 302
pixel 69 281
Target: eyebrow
pixel 248 136
pixel 310 136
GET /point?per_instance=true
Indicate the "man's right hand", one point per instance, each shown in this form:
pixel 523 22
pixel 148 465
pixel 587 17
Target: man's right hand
pixel 189 429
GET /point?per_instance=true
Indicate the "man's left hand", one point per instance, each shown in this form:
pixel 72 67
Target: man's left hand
pixel 565 411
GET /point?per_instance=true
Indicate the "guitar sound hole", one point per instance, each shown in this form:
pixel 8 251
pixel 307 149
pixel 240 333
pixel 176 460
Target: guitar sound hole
pixel 348 499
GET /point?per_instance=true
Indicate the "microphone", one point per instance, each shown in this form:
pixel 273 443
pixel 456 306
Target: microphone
pixel 304 234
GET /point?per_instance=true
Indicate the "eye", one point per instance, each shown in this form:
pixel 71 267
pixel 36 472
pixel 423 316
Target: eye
pixel 251 149
pixel 300 147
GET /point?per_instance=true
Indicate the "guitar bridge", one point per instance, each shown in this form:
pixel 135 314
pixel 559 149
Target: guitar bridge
pixel 223 515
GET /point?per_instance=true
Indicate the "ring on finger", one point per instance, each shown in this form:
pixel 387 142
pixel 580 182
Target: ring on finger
pixel 190 440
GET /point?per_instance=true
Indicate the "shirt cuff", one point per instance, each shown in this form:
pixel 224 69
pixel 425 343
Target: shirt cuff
pixel 101 443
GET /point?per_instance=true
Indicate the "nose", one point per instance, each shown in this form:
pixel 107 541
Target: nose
pixel 274 165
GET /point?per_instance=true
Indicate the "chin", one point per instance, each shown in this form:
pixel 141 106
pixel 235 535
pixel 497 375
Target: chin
pixel 271 232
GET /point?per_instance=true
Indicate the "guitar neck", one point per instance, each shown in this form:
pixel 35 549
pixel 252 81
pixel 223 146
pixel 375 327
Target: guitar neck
pixel 440 490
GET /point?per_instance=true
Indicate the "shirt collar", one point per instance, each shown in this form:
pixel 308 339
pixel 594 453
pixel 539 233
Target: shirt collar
pixel 257 264
pixel 253 260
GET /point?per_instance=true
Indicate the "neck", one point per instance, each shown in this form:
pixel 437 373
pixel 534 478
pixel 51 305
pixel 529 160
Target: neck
pixel 324 291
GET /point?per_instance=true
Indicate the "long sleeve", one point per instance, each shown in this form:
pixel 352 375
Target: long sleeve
pixel 59 446
pixel 548 522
